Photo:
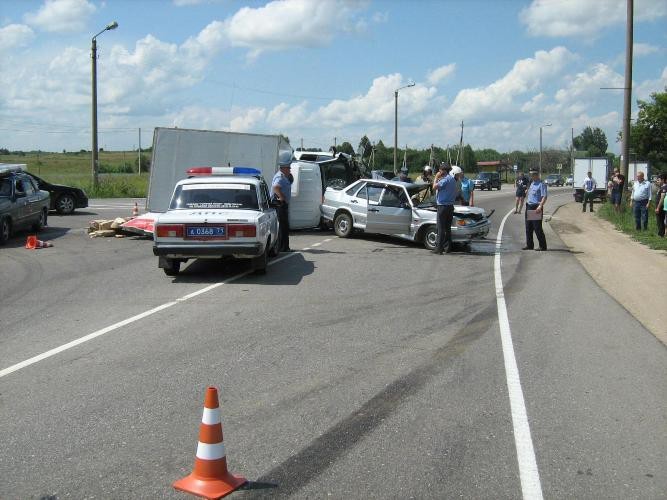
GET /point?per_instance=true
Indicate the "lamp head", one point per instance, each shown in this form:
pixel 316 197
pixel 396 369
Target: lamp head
pixel 112 26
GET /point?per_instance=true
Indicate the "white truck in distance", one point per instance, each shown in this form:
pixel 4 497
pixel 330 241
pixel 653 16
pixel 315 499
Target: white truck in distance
pixel 599 168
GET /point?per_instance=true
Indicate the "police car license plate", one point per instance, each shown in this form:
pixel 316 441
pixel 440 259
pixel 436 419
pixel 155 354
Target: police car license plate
pixel 206 232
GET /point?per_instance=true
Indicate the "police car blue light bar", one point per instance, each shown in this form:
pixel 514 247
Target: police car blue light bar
pixel 194 171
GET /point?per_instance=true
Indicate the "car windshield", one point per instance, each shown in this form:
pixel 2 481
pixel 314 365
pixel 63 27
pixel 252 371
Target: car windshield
pixel 202 196
pixel 5 187
pixel 484 175
pixel 422 195
pixel 553 177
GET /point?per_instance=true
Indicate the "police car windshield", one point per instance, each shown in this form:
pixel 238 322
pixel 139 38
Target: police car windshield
pixel 5 188
pixel 215 196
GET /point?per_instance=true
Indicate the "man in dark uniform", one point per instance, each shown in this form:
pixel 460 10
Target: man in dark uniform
pixel 535 200
pixel 281 188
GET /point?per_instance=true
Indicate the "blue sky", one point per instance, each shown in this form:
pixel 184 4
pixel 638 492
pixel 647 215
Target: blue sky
pixel 323 69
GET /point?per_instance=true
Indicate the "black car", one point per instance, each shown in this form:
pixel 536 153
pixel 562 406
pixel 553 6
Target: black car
pixel 487 180
pixel 22 205
pixel 64 199
pixel 554 180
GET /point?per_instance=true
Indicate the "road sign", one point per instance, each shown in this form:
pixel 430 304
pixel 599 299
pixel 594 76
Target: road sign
pixel 559 166
pixel 516 167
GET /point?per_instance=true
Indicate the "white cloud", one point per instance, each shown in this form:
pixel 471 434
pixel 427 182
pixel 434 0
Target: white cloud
pixel 646 88
pixel 643 49
pixel 247 121
pixel 498 97
pixel 380 17
pixel 586 85
pixel 439 74
pixel 15 35
pixel 286 24
pixel 61 16
pixel 584 18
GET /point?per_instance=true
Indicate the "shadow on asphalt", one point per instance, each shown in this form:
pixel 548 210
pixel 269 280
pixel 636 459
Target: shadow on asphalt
pixel 49 233
pixel 289 271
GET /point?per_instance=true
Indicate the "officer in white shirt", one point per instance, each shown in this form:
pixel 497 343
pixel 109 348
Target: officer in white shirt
pixel 589 190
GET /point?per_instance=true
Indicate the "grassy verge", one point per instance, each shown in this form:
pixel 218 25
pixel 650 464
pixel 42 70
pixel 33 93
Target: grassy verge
pixel 116 179
pixel 625 221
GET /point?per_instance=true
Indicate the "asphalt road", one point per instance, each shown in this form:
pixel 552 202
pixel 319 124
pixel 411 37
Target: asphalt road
pixel 359 368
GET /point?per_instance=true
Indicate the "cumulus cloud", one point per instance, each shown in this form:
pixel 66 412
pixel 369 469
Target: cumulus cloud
pixel 644 89
pixel 587 84
pixel 498 97
pixel 643 49
pixel 286 24
pixel 61 16
pixel 15 35
pixel 584 18
pixel 439 74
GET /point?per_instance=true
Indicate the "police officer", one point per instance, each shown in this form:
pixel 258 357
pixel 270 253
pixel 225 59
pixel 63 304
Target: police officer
pixel 446 192
pixel 403 177
pixel 536 198
pixel 281 188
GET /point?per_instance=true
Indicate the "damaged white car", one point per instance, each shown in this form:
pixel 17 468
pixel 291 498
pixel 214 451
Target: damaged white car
pixel 407 211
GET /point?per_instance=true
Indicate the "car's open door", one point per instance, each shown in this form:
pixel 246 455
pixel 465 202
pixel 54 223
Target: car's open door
pixel 392 214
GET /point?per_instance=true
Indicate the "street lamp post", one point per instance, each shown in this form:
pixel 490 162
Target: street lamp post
pixel 412 84
pixel 541 127
pixel 93 55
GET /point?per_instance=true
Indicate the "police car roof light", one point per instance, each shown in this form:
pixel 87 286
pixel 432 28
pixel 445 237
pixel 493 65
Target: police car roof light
pixel 194 171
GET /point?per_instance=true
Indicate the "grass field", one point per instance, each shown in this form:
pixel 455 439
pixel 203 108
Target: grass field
pixel 74 169
pixel 625 222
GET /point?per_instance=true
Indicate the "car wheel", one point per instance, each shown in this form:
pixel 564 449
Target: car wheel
pixel 5 230
pixel 41 223
pixel 173 267
pixel 260 263
pixel 65 204
pixel 499 186
pixel 343 225
pixel 431 237
pixel 275 248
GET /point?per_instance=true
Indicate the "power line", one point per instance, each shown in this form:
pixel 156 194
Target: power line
pixel 271 92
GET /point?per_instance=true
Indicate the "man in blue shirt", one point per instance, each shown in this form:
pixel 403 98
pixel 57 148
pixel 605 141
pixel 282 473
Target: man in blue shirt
pixel 281 189
pixel 641 197
pixel 466 195
pixel 537 197
pixel 446 192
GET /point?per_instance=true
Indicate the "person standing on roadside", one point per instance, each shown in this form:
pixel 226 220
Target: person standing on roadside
pixel 661 201
pixel 466 193
pixel 446 193
pixel 589 190
pixel 617 186
pixel 281 188
pixel 536 198
pixel 521 184
pixel 641 197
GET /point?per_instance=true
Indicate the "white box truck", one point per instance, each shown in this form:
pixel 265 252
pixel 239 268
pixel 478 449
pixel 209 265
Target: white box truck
pixel 637 166
pixel 175 150
pixel 599 168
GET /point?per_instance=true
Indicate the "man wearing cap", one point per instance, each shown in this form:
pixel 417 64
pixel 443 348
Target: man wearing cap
pixel 446 192
pixel 403 177
pixel 535 200
pixel 281 188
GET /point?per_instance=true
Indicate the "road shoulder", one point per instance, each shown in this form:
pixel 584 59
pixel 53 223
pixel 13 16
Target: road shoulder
pixel 625 269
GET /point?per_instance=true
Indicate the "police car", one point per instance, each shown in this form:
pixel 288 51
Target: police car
pixel 217 212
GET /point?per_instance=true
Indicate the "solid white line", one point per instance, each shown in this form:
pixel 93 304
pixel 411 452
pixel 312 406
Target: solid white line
pixel 52 352
pixel 316 244
pixel 528 472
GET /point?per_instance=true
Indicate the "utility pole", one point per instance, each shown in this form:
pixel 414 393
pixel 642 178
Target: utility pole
pixel 627 91
pixel 302 144
pixel 411 84
pixel 139 149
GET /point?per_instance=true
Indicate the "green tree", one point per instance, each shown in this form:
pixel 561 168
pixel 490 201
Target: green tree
pixel 365 146
pixel 648 136
pixel 469 160
pixel 346 148
pixel 592 140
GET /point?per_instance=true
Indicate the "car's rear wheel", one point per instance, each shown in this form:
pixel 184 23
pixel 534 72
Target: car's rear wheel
pixel 173 267
pixel 431 237
pixel 275 248
pixel 41 222
pixel 5 230
pixel 259 264
pixel 499 186
pixel 65 204
pixel 343 225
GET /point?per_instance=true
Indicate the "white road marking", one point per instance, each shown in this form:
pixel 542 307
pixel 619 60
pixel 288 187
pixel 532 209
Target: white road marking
pixel 528 472
pixel 57 350
pixel 316 244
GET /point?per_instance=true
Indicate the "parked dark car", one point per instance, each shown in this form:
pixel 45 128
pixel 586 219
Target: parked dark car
pixel 487 180
pixel 22 204
pixel 64 199
pixel 554 180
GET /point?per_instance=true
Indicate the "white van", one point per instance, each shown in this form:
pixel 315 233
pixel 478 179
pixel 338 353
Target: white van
pixel 306 195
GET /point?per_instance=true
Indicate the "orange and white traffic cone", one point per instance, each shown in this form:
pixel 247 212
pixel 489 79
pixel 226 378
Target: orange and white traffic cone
pixel 210 477
pixel 135 210
pixel 43 244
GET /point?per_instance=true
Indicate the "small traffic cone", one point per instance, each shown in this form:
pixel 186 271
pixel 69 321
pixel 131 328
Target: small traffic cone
pixel 210 477
pixel 135 210
pixel 43 244
pixel 31 242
